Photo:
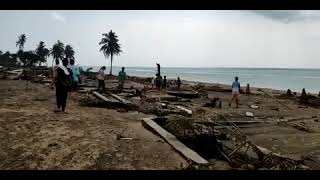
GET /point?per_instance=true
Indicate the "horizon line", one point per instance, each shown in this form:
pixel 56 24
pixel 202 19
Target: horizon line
pixel 318 68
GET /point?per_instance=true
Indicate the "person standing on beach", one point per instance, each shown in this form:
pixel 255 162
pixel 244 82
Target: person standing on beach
pixel 235 92
pixel 179 82
pixel 63 82
pixel 75 75
pixel 101 78
pixel 164 83
pixel 158 69
pixel 158 82
pixel 122 76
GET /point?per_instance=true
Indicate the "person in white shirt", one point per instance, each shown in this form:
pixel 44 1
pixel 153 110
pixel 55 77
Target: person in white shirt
pixel 235 92
pixel 101 78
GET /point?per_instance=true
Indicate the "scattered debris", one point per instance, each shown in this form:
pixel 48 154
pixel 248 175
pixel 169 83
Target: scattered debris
pixel 52 144
pixel 249 114
pixel 276 100
pixel 300 126
pixel 312 161
pixel 302 106
pixel 189 112
pixel 254 107
pixel 215 102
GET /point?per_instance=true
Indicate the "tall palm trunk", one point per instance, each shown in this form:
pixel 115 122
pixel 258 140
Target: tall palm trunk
pixel 111 64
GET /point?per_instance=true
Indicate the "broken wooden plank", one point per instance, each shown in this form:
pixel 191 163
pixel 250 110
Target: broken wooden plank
pixel 184 109
pixel 184 94
pixel 162 97
pixel 174 142
pixel 103 97
pixel 121 99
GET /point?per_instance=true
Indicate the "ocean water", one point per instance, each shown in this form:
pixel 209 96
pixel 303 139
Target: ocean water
pixel 281 79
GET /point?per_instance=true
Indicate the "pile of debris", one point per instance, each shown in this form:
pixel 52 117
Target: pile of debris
pixel 308 99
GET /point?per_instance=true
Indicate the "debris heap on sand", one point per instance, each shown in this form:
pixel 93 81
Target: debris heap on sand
pixel 215 103
pixel 308 99
pixel 289 93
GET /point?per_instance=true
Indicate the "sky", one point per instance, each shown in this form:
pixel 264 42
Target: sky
pixel 260 39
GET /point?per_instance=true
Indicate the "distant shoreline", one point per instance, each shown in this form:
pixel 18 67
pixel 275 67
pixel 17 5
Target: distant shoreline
pixel 281 68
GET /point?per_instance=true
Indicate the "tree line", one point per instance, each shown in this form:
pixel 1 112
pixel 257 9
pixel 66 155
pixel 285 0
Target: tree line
pixel 109 46
pixel 35 57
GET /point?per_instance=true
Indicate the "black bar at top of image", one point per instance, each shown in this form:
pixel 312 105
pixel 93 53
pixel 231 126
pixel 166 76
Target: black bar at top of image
pixel 159 4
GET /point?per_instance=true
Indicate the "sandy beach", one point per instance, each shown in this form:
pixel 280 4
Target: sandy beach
pixel 34 137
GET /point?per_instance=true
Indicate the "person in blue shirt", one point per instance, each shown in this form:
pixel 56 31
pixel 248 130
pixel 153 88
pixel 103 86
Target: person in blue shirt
pixel 75 75
pixel 235 91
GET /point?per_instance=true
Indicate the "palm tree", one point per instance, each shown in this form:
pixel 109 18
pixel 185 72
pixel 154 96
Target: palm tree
pixel 42 52
pixel 110 46
pixel 57 51
pixel 69 52
pixel 21 40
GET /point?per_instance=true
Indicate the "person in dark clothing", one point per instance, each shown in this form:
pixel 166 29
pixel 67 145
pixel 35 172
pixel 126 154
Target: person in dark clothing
pixel 63 82
pixel 158 67
pixel 179 82
pixel 164 83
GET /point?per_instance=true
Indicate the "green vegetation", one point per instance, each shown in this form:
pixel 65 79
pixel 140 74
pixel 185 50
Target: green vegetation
pixel 37 56
pixel 110 46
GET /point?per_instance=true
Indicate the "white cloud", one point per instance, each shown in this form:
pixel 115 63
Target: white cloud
pixel 58 17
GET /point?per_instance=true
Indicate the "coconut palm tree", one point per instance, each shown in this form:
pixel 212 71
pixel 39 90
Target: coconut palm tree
pixel 110 46
pixel 21 40
pixel 57 51
pixel 69 52
pixel 42 52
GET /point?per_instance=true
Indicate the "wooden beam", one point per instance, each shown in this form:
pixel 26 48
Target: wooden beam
pixel 103 97
pixel 173 141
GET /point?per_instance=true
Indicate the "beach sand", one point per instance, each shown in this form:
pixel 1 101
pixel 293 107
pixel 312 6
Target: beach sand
pixel 34 137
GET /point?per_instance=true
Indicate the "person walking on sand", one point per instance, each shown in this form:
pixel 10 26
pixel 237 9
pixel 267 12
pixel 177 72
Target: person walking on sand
pixel 75 75
pixel 235 92
pixel 101 78
pixel 63 82
pixel 122 76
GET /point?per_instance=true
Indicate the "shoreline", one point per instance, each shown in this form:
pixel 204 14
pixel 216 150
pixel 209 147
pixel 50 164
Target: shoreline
pixel 295 81
pixel 204 82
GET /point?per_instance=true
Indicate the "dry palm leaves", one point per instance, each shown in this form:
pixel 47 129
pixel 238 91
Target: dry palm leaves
pixel 182 126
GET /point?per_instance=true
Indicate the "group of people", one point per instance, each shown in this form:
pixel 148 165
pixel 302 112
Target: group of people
pixel 162 84
pixel 122 77
pixel 66 78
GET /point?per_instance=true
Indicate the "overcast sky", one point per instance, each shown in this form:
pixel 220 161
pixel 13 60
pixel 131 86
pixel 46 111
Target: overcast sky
pixel 175 38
